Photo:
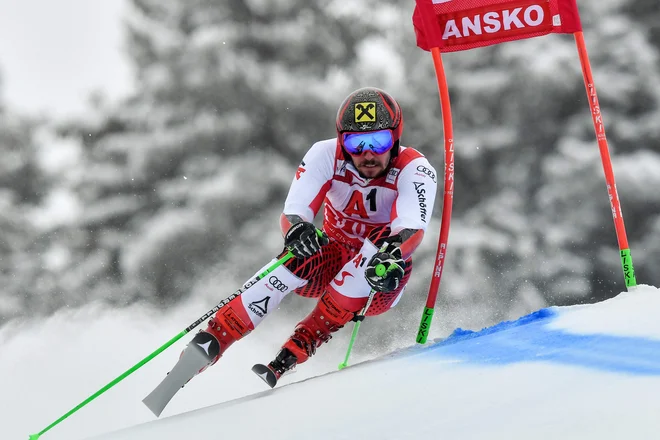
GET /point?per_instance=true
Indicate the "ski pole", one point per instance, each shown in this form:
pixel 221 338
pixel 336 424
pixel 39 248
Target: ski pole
pixel 358 321
pixel 381 270
pixel 162 348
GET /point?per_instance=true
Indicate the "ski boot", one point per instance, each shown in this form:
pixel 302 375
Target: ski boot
pixel 313 331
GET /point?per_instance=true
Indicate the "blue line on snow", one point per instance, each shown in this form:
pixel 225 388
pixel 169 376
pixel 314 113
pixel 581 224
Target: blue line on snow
pixel 529 339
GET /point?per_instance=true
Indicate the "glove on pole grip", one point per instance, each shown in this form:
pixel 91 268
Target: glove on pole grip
pixel 303 239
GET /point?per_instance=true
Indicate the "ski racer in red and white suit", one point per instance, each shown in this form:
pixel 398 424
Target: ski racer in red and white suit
pixel 374 193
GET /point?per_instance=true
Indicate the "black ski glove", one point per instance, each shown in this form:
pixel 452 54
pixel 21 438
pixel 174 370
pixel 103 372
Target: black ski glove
pixel 385 269
pixel 304 240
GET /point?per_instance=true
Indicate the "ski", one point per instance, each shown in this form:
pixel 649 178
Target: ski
pixel 201 350
pixel 266 374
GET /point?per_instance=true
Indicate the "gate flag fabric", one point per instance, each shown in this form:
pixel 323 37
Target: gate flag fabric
pixel 454 25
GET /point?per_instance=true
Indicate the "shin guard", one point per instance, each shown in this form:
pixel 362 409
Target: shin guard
pixel 317 328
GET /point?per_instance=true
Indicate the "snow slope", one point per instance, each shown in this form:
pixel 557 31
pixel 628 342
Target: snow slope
pixel 578 372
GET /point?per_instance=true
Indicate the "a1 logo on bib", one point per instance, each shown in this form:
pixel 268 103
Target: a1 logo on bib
pixel 365 112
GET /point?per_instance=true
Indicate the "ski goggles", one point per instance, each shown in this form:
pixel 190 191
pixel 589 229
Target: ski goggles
pixel 378 142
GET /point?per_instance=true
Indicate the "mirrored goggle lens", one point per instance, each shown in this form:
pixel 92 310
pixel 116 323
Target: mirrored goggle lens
pixel 378 142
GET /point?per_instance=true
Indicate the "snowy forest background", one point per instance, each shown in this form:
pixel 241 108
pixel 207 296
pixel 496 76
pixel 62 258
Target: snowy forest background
pixel 175 192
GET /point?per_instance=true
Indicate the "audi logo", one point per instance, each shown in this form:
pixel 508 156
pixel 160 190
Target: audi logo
pixel 426 171
pixel 277 284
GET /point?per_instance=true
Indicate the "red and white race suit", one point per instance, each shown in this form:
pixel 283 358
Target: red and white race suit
pixel 359 213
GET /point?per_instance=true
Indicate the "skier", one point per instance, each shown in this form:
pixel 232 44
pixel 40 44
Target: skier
pixel 378 198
